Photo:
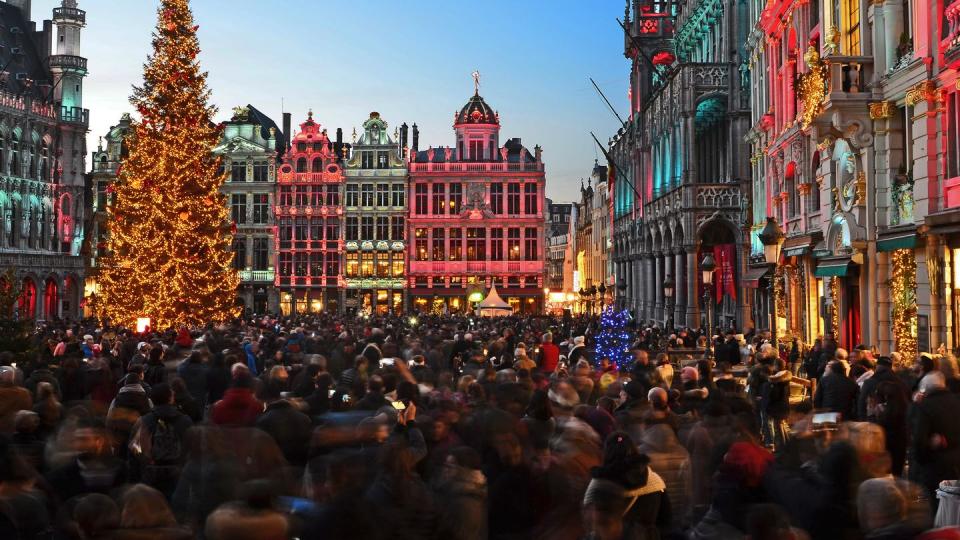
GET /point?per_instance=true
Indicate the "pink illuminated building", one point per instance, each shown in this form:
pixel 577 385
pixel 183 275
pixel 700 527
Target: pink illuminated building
pixel 476 218
pixel 308 215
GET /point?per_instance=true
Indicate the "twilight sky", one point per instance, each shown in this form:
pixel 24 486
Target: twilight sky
pixel 409 61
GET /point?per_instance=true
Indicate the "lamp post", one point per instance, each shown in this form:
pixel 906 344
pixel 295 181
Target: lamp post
pixel 668 287
pixel 603 296
pixel 772 239
pixel 707 266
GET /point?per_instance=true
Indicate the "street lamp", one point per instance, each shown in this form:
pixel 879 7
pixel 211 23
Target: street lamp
pixel 668 287
pixel 707 266
pixel 772 239
pixel 603 296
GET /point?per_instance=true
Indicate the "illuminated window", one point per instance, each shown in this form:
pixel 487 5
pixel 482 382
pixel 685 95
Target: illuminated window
pixel 456 197
pixel 438 245
pixel 397 265
pixel 456 244
pixel 353 265
pixel 383 265
pixel 421 245
pixel 476 244
pixel 366 264
pixel 851 25
pixel 513 244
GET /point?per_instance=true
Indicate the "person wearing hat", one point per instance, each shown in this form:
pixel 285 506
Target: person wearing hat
pixel 578 350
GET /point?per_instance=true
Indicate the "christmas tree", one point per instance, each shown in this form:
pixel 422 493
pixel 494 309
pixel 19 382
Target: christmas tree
pixel 168 255
pixel 613 339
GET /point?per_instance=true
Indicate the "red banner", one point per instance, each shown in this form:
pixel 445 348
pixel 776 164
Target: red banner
pixel 724 280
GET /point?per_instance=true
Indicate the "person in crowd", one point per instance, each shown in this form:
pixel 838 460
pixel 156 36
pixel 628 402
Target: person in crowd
pixel 239 406
pixel 837 392
pixel 934 450
pixel 158 441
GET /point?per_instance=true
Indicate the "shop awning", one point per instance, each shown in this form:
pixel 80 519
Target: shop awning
pixel 752 277
pixel 903 241
pixel 834 268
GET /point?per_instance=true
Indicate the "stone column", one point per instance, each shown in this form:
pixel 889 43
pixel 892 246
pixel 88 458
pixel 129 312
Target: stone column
pixel 657 287
pixel 884 324
pixel 648 299
pixel 693 300
pixel 680 292
pixel 691 152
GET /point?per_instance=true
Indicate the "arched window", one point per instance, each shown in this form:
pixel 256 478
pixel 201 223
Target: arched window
pixel 814 187
pixel 51 299
pixel 302 165
pixel 317 165
pixel 44 161
pixel 27 302
pixel 14 167
pixel 790 185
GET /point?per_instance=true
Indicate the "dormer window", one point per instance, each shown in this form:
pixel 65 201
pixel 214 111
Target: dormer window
pixel 366 160
pixel 476 150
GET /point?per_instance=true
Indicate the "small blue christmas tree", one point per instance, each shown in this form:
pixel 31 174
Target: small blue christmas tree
pixel 613 339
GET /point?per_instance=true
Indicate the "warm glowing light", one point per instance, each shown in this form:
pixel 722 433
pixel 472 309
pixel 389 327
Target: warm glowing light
pixel 903 289
pixel 475 296
pixel 546 291
pixel 143 324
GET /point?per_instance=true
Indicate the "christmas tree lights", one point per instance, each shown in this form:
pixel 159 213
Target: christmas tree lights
pixel 613 339
pixel 168 255
pixel 903 288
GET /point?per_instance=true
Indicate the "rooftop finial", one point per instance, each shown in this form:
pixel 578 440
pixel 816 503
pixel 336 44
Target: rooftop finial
pixel 476 82
pixel 310 115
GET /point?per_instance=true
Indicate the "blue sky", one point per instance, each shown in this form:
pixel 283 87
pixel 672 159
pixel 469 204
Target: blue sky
pixel 411 61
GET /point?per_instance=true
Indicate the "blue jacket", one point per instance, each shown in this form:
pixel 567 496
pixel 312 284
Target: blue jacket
pixel 251 358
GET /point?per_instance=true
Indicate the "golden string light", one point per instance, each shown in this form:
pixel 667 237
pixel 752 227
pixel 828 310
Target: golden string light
pixel 168 255
pixel 903 288
pixel 835 312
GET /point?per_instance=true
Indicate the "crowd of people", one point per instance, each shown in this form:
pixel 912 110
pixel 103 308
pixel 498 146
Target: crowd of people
pixel 460 428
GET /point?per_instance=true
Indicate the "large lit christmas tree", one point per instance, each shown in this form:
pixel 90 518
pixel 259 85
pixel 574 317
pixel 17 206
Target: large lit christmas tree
pixel 613 338
pixel 168 255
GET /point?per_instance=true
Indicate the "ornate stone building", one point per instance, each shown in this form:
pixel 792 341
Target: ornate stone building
pixel 249 149
pixel 476 218
pixel 681 166
pixel 43 128
pixel 309 215
pixel 374 214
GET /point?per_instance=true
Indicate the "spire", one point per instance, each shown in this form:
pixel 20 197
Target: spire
pixel 310 114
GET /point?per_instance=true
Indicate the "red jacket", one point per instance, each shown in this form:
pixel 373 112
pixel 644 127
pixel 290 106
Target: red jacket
pixel 183 338
pixel 238 408
pixel 549 357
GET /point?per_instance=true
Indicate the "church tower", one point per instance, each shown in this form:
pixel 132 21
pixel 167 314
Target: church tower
pixel 69 69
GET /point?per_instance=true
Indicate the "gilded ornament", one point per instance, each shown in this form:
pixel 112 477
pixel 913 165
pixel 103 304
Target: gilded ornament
pixel 881 110
pixel 923 91
pixel 861 189
pixel 832 42
pixel 812 87
pixel 804 188
pixel 827 142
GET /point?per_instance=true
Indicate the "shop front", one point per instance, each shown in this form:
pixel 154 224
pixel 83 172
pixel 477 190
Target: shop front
pixel 379 296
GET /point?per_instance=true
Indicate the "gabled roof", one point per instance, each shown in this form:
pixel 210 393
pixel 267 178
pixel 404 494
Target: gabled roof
pixel 27 61
pixel 255 116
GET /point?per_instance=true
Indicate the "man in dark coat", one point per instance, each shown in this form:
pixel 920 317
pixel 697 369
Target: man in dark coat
pixel 729 350
pixel 837 392
pixel 159 440
pixel 288 426
pixel 883 373
pixel 193 371
pixel 935 441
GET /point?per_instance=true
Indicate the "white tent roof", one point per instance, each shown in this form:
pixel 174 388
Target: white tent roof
pixel 493 301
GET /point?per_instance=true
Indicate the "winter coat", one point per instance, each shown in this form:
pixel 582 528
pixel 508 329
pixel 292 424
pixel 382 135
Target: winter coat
pixel 646 509
pixel 837 393
pixel 775 395
pixel 169 414
pixel 549 357
pixel 251 358
pixel 194 375
pixel 38 376
pixel 12 399
pixel 671 461
pixel 935 415
pixel 869 388
pixel 290 428
pixel 463 514
pixel 238 408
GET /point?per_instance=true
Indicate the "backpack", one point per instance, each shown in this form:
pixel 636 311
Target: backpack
pixel 165 446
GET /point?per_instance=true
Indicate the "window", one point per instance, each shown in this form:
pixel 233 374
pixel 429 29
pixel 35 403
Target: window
pixel 530 198
pixel 476 244
pixel 261 253
pixel 366 228
pixel 332 263
pixel 286 232
pixel 316 263
pixel 353 264
pixel 300 228
pixel 397 265
pixel 366 195
pixel 438 245
pixel 851 26
pixel 301 195
pixel 456 244
pixel 513 244
pixel 333 230
pixel 383 159
pixel 438 199
pixel 420 198
pixel 513 199
pixel 397 227
pixel 953 134
pixel 383 195
pixel 238 171
pixel 316 196
pixel 286 195
pixel 352 194
pixel 496 198
pixel 399 194
pixel 286 264
pixel 301 147
pixel 238 208
pixel 316 228
pixel 333 195
pixel 496 244
pixel 366 160
pixel 317 165
pixel 302 165
pixel 476 150
pixel 421 244
pixel 261 208
pixel 317 147
pixel 456 197
pixel 366 264
pixel 239 253
pixel 300 261
pixel 383 264
pixel 261 171
pixel 383 228
pixel 352 228
pixel 530 244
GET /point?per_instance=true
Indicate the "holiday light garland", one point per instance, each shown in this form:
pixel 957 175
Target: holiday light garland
pixel 812 87
pixel 613 339
pixel 835 312
pixel 903 288
pixel 168 255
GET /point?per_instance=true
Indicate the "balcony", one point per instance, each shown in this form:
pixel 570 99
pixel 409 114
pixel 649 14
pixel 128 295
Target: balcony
pixel 950 45
pixel 714 195
pixel 476 167
pixel 63 15
pixel 75 115
pixel 257 275
pixel 68 62
pixel 476 267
